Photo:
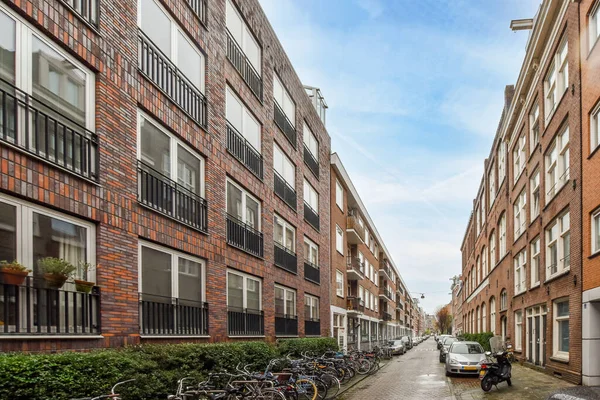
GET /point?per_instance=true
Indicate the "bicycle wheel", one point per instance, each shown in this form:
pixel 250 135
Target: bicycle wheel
pixel 363 366
pixel 306 389
pixel 271 394
pixel 333 385
pixel 321 388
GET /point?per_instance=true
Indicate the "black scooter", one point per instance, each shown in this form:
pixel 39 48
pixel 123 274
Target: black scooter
pixel 492 373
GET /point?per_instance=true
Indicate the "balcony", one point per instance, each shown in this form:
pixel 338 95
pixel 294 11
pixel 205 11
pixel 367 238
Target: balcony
pixel 311 162
pixel 236 55
pixel 168 316
pixel 399 305
pixel 42 131
pixel 167 197
pixel 244 237
pixel 386 293
pixel 284 124
pixel 159 70
pixel 241 149
pixel 286 259
pixel 284 191
pixel 199 8
pixel 34 309
pixel 286 325
pixel 245 322
pixel 386 271
pixel 355 269
pixel 355 233
pixel 311 216
pixel 312 273
pixel 312 327
pixel 87 10
pixel 355 305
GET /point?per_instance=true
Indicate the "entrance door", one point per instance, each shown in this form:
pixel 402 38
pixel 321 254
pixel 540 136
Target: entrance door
pixel 543 341
pixel 530 339
pixel 538 342
pixel 504 329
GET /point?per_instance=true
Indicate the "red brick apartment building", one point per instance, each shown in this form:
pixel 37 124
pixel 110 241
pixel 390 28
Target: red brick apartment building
pixel 522 263
pixel 170 144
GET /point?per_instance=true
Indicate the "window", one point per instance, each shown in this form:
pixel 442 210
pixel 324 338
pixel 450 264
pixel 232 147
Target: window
pixel 534 186
pixel 478 325
pixel 339 195
pixel 519 158
pixel 284 233
pixel 242 35
pixel 371 244
pixel 503 299
pixel 478 279
pixel 367 299
pixel 339 283
pixel 478 220
pixel 376 251
pixel 310 141
pixel 501 163
pixel 595 128
pixel 502 238
pixel 519 330
pixel 367 234
pixel 520 262
pixel 492 184
pixel 596 232
pixel 243 291
pixel 284 166
pixel 339 240
pixel 242 119
pixel 311 197
pixel 483 318
pixel 557 78
pixel 594 26
pixel 534 128
pixel 284 100
pixel 493 315
pixel 482 208
pixel 243 206
pixel 557 164
pixel 535 262
pixel 285 302
pixel 165 33
pixel 492 251
pixel 520 214
pixel 484 266
pixel 473 279
pixel 311 308
pixel 311 252
pixel 561 329
pixel 558 248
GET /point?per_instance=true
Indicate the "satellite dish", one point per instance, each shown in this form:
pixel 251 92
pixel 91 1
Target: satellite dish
pixel 422 296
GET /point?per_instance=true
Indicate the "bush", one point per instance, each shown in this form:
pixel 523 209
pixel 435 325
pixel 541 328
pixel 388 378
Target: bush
pixel 156 368
pixel 482 338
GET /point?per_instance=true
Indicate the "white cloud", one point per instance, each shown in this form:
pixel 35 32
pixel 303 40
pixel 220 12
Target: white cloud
pixel 373 7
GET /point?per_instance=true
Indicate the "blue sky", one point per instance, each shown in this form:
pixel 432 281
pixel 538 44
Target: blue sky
pixel 415 91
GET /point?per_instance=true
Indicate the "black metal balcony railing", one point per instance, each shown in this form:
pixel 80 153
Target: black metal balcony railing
pixel 236 55
pixel 34 309
pixel 312 327
pixel 386 291
pixel 386 316
pixel 167 197
pixel 312 272
pixel 284 124
pixel 311 162
pixel 286 325
pixel 172 316
pixel 199 8
pixel 311 216
pixel 245 322
pixel 354 264
pixel 244 151
pixel 285 191
pixel 168 78
pixel 286 259
pixel 244 237
pixel 41 130
pixel 355 304
pixel 88 10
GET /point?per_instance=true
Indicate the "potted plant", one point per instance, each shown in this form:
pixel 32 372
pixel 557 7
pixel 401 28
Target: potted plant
pixel 83 285
pixel 56 271
pixel 13 273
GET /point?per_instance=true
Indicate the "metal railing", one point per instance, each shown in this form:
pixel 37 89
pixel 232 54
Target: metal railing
pixel 241 149
pixel 161 315
pixel 199 7
pixel 354 263
pixel 355 304
pixel 352 223
pixel 88 10
pixel 167 197
pixel 167 77
pixel 236 55
pixel 312 327
pixel 311 216
pixel 312 272
pixel 284 191
pixel 286 325
pixel 245 322
pixel 33 308
pixel 244 237
pixel 41 130
pixel 284 124
pixel 285 258
pixel 311 162
pixel 386 291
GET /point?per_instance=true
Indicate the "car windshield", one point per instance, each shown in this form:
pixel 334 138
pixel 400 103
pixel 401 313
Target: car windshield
pixel 448 341
pixel 466 348
pixel 396 342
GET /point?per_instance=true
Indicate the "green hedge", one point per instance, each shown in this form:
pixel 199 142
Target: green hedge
pixel 156 368
pixel 482 338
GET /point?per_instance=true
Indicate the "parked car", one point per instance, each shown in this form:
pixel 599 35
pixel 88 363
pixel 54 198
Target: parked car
pixel 446 343
pixel 398 347
pixel 576 393
pixel 464 358
pixel 440 339
pixel 407 342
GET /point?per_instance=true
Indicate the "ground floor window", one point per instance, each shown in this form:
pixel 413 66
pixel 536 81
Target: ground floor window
pixel 561 329
pixel 518 330
pixel 339 329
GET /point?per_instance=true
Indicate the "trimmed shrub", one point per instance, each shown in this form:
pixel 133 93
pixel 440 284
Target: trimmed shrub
pixel 317 346
pixel 482 338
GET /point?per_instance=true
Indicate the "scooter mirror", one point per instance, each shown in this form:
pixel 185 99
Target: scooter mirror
pixel 488 353
pixel 509 346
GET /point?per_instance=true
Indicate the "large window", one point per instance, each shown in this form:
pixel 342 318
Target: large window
pixel 493 315
pixel 483 318
pixel 519 158
pixel 594 25
pixel 478 269
pixel 484 264
pixel 595 128
pixel 503 300
pixel 339 195
pixel 561 329
pixel 558 246
pixel 339 283
pixel 519 330
pixel 243 291
pixel 492 184
pixel 520 262
pixel 492 250
pixel 284 233
pixel 242 35
pixel 310 141
pixel 535 262
pixel 596 232
pixel 242 119
pixel 285 301
pixel 534 127
pixel 311 308
pixel 557 78
pixel 311 197
pixel 502 238
pixel 339 240
pixel 165 33
pixel 520 210
pixel 311 252
pixel 284 166
pixel 534 187
pixel 243 206
pixel 501 163
pixel 557 164
pixel 284 100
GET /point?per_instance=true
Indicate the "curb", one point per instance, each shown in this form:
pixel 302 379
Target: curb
pixel 362 378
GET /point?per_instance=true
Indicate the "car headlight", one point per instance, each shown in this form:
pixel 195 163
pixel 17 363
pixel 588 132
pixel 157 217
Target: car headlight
pixel 454 361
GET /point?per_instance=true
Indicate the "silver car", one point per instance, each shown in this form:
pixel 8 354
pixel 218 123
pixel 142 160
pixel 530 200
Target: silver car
pixel 464 358
pixel 446 343
pixel 397 346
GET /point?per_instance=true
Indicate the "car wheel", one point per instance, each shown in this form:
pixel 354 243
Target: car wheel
pixel 447 373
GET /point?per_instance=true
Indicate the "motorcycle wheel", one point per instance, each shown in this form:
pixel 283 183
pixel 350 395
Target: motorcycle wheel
pixel 486 384
pixel 509 382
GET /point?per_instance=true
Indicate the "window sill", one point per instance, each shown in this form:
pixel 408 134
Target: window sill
pixel 339 252
pixel 558 275
pixel 520 234
pixel 560 359
pixel 341 297
pixel 594 255
pixel 520 293
pixel 593 152
pixel 549 117
pixel 245 336
pixel 287 336
pixel 532 152
pixel 535 286
pixel 174 336
pixel 534 219
pixel 550 200
pixel 16 336
pixel 593 47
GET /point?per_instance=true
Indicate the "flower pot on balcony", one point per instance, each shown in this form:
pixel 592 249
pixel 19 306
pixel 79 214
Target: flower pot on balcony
pixel 12 277
pixel 55 281
pixel 83 286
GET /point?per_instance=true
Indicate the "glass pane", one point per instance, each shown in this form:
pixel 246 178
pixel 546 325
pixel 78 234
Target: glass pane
pixel 8 230
pixel 7 48
pixel 279 301
pixel 190 280
pixel 234 22
pixel 252 50
pixel 289 108
pixel 156 25
pixel 253 294
pixel 156 274
pixel 290 172
pixel 290 303
pixel 234 111
pixel 234 202
pixel 278 160
pixel 278 91
pixel 289 238
pixel 251 130
pixel 57 81
pixel 307 307
pixel 278 231
pixel 190 62
pixel 235 291
pixel 563 336
pixel 306 251
pixel 155 151
pixel 562 309
pixel 252 213
pixel 188 170
pixel 597 232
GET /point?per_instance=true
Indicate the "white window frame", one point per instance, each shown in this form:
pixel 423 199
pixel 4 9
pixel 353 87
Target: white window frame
pixel 285 225
pixel 595 121
pixel 519 330
pixel 535 262
pixel 286 98
pixel 492 184
pixel 313 303
pixel 562 223
pixel 285 292
pixel 287 163
pixel 503 299
pixel 534 127
pixel 519 158
pixel 501 164
pixel 593 26
pixel 308 199
pixel 556 81
pixel 339 194
pixel 502 236
pixel 245 287
pixel 478 271
pixel 478 220
pixel 247 35
pixel 557 164
pixel 484 266
pixel 376 251
pixel 483 318
pixel 555 326
pixel 595 232
pixel 493 315
pixel 520 212
pixel 339 282
pixel 492 248
pixel 245 194
pixel 339 239
pixel 308 137
pixel 520 276
pixel 246 115
pixel 534 187
pixel 312 248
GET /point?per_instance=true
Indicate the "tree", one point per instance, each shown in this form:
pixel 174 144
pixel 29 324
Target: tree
pixel 443 319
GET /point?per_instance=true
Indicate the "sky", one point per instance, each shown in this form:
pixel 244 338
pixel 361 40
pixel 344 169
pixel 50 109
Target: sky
pixel 415 92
